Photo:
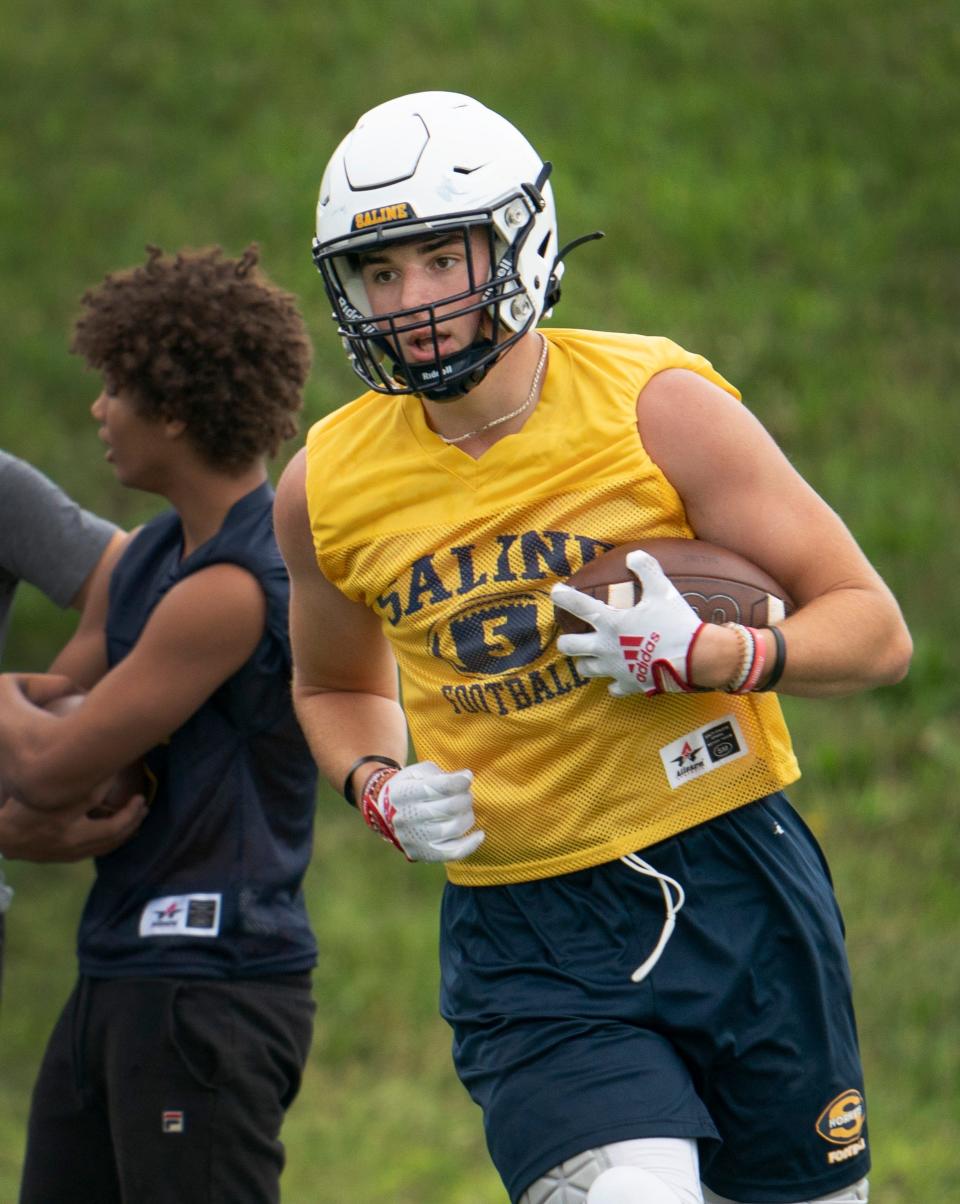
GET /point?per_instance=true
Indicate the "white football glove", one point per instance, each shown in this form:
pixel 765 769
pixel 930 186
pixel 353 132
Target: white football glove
pixel 645 648
pixel 426 812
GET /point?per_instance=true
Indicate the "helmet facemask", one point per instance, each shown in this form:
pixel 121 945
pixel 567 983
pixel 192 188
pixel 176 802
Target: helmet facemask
pixel 496 292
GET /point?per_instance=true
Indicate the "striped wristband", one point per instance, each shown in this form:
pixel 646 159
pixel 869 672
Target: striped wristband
pixel 753 657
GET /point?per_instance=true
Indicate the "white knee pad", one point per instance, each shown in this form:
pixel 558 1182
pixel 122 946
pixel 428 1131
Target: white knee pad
pixel 569 1182
pixel 856 1193
pixel 630 1185
pixel 643 1171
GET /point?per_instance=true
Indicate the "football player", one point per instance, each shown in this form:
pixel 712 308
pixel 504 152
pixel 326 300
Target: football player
pixel 642 957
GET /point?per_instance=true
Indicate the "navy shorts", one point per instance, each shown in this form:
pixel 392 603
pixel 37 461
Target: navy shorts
pixel 742 1036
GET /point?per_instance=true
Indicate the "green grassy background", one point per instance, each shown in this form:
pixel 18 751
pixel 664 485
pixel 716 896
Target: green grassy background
pixel 779 188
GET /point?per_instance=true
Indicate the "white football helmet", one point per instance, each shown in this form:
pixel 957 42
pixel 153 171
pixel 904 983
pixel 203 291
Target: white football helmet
pixel 415 166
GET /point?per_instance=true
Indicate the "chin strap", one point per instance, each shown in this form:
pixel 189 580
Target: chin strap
pixel 417 377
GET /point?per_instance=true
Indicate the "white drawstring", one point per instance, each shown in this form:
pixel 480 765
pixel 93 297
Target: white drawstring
pixel 672 905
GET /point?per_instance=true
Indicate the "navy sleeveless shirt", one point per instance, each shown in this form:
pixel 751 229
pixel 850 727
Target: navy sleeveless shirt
pixel 210 885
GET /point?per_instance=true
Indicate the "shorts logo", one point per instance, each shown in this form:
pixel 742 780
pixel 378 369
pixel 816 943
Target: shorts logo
pixel 847 1151
pixel 842 1120
pixel 703 750
pixel 182 915
pixel 172 1122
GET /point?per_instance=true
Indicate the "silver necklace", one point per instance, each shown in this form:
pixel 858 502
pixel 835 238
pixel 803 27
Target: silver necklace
pixel 531 396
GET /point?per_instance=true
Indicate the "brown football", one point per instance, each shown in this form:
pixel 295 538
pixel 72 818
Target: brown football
pixel 112 794
pixel 720 585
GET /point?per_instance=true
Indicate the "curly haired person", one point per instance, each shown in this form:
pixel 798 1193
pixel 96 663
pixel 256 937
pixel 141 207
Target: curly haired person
pixel 181 1047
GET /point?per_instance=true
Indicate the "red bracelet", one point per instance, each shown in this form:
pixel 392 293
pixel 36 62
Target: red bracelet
pixel 751 665
pixel 779 660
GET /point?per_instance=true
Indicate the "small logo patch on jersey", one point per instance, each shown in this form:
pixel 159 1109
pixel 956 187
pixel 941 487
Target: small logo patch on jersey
pixel 700 751
pixel 842 1120
pixel 182 915
pixel 172 1122
pixel 400 212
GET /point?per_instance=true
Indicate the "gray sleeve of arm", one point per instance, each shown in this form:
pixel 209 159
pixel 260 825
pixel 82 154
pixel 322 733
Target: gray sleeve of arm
pixel 45 537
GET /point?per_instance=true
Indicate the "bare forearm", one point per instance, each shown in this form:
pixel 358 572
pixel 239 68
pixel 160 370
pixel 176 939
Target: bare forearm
pixel 34 763
pixel 82 659
pixel 844 642
pixel 342 726
pixel 840 643
pixel 21 741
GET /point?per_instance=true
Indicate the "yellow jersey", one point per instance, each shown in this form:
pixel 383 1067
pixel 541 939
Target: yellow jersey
pixel 457 557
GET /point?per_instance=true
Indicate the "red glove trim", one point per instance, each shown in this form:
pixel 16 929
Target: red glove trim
pixel 380 821
pixel 660 668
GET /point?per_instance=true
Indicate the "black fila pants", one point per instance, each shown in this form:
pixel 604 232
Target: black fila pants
pixel 167 1091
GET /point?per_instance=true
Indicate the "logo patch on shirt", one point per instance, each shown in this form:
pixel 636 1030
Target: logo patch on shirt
pixel 182 915
pixel 700 751
pixel 172 1122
